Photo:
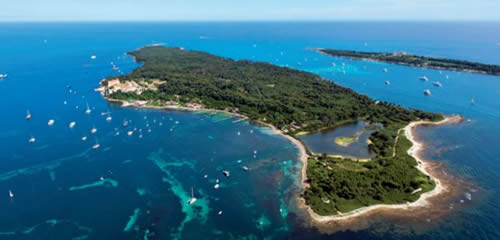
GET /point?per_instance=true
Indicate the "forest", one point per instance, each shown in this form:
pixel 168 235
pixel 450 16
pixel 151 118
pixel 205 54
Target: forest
pixel 294 101
pixel 414 60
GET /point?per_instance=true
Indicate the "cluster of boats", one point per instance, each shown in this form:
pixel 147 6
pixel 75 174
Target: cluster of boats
pixel 3 76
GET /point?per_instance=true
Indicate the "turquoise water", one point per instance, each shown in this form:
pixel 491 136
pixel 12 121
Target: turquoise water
pixel 137 188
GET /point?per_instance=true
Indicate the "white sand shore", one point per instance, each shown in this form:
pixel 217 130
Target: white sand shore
pixel 303 157
pixel 422 166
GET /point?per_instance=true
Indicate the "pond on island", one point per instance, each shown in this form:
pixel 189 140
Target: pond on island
pixel 350 140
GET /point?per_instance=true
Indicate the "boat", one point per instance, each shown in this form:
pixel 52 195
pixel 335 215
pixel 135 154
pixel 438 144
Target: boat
pixel 96 146
pixel 28 115
pixel 205 176
pixel 11 194
pixel 3 76
pixel 192 199
pixel 117 133
pixel 93 130
pixel 427 92
pixel 130 133
pixel 220 212
pixel 385 70
pixel 84 138
pixel 388 83
pixel 239 133
pixel 424 78
pixel 125 123
pixel 72 124
pixel 108 118
pixel 437 84
pixel 51 122
pixel 93 57
pixel 472 101
pixel 226 173
pixel 32 139
pixel 88 111
pixel 245 168
pixel 216 186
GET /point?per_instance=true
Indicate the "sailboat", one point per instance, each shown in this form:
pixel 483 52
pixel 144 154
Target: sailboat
pixel 96 145
pixel 28 115
pixel 88 111
pixel 192 199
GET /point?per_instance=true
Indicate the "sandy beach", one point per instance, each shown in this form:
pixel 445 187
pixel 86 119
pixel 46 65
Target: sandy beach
pixel 414 150
pixel 422 166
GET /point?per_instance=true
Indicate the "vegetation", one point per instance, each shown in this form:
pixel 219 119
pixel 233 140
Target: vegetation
pixel 293 101
pixel 421 61
pixel 346 140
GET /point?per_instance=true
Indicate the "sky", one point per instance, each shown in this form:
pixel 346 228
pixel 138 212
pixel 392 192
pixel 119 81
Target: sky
pixel 249 10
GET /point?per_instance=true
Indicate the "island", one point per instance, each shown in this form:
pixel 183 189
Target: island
pixel 403 58
pixel 291 102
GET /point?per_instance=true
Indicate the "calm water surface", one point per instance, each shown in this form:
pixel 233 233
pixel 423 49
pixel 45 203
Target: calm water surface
pixel 135 188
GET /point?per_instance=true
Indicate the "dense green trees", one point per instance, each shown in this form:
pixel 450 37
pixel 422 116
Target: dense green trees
pixel 294 101
pixel 415 60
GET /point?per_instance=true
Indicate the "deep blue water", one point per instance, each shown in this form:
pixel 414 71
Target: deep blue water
pixel 56 181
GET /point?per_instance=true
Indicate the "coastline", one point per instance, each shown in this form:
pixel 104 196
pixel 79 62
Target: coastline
pixel 423 165
pixel 321 51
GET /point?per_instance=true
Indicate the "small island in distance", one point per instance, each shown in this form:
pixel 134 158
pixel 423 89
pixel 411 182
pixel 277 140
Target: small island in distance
pixel 403 58
pixel 293 103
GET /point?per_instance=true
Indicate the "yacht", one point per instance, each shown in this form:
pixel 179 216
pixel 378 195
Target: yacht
pixel 32 139
pixel 11 194
pixel 192 199
pixel 424 78
pixel 216 186
pixel 437 84
pixel 220 212
pixel 84 138
pixel 385 70
pixel 51 122
pixel 130 133
pixel 108 118
pixel 28 115
pixel 72 124
pixel 96 146
pixel 427 92
pixel 3 76
pixel 245 168
pixel 93 130
pixel 88 111
pixel 226 173
pixel 125 123
pixel 93 57
pixel 388 83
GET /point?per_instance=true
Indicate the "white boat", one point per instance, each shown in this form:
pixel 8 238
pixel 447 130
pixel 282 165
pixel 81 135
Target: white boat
pixel 192 199
pixel 220 212
pixel 437 84
pixel 93 130
pixel 108 118
pixel 96 146
pixel 32 140
pixel 388 83
pixel 11 194
pixel 125 123
pixel 205 176
pixel 226 173
pixel 427 92
pixel 117 133
pixel 239 133
pixel 130 133
pixel 93 57
pixel 216 186
pixel 88 111
pixel 424 78
pixel 385 70
pixel 3 76
pixel 72 124
pixel 28 115
pixel 51 122
pixel 84 138
pixel 245 168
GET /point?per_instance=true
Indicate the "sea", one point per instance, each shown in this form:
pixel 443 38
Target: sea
pixel 137 184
